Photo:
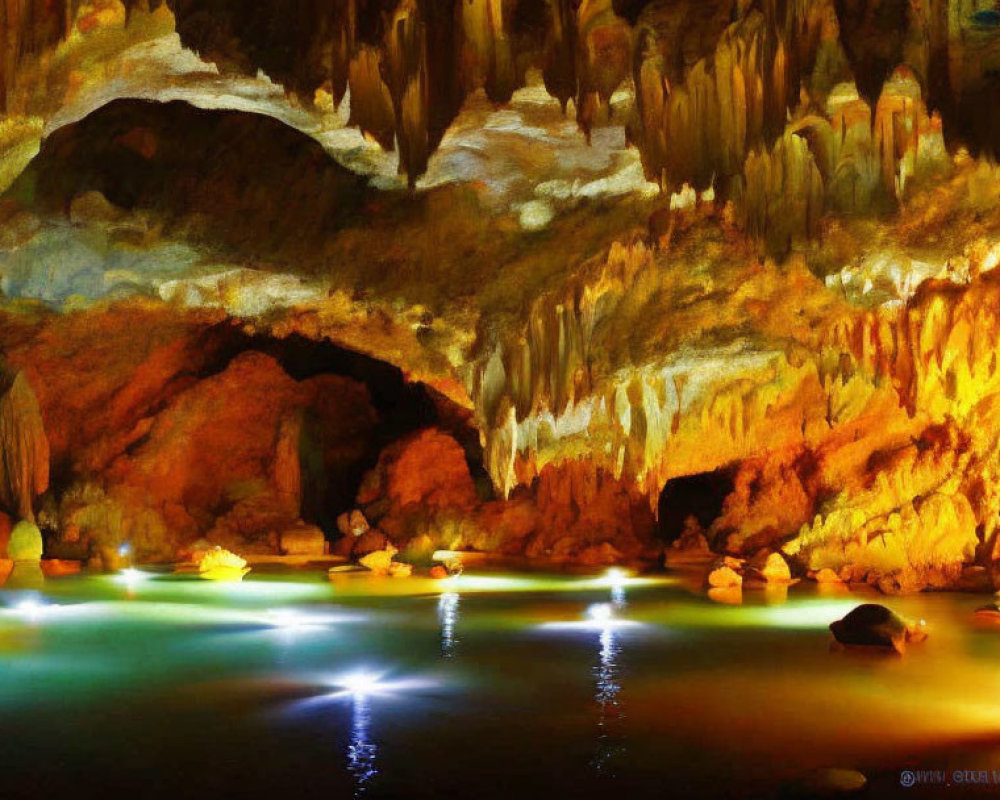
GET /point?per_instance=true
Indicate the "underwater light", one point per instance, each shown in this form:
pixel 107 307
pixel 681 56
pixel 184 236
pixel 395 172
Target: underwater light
pixel 616 576
pixel 131 576
pixel 360 683
pixel 32 609
pixel 598 617
pixel 365 683
pixel 290 618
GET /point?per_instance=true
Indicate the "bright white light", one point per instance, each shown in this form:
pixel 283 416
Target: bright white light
pixel 616 576
pixel 32 609
pixel 29 607
pixel 599 617
pixel 367 683
pixel 290 618
pixel 360 683
pixel 130 576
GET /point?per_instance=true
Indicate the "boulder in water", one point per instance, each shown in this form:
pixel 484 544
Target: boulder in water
pixel 770 567
pixel 723 575
pixel 222 565
pixel 379 562
pixel 874 625
pixel 988 613
pixel 397 569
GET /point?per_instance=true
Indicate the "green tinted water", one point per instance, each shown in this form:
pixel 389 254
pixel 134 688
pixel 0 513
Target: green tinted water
pixel 491 686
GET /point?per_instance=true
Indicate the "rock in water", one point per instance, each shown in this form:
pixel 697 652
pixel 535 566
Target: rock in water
pixel 874 625
pixel 379 561
pixel 397 569
pixel 222 565
pixel 723 575
pixel 770 567
pixel 24 448
pixel 988 613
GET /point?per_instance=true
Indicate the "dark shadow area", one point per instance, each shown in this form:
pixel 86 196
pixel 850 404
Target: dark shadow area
pixel 700 496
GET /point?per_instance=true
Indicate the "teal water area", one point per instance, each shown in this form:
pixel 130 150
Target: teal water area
pixel 486 686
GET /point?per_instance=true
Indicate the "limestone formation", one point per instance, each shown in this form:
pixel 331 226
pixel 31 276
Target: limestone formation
pixel 25 551
pixel 303 540
pixel 25 542
pixel 24 448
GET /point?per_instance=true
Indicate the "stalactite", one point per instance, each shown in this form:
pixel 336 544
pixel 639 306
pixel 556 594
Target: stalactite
pixel 24 448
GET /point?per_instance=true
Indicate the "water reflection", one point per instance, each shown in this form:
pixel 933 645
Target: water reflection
pixel 361 751
pixel 617 579
pixel 610 741
pixel 448 617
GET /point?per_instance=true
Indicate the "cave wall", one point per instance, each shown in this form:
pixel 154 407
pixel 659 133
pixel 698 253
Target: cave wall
pixel 859 432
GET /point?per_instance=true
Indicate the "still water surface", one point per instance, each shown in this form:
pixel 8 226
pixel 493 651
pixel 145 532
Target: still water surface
pixel 289 685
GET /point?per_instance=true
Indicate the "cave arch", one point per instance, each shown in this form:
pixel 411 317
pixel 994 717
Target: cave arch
pixel 700 496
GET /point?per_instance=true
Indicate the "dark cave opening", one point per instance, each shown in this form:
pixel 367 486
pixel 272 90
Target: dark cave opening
pixel 403 407
pixel 700 496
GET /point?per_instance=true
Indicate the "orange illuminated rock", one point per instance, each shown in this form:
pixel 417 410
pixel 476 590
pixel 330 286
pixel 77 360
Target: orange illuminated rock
pixel 55 568
pixel 770 567
pixel 826 575
pixel 232 440
pixel 352 523
pixel 303 540
pixel 724 576
pixel 24 447
pixel 369 542
pixel 427 469
pixel 379 562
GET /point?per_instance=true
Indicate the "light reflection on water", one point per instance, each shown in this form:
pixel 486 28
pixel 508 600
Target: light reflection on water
pixel 610 715
pixel 448 617
pixel 362 750
pixel 646 679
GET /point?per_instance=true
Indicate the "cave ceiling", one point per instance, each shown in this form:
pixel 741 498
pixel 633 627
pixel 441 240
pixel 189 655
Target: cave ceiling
pixel 559 214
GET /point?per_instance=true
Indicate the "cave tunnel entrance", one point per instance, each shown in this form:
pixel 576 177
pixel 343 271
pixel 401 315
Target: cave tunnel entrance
pixel 700 496
pixel 403 407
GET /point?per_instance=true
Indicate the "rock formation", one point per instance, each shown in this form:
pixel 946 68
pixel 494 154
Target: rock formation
pixel 786 278
pixel 24 448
